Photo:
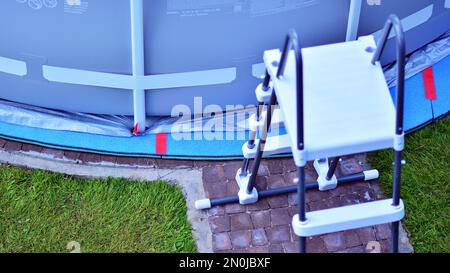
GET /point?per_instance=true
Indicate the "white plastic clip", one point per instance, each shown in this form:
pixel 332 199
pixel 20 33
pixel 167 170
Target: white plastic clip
pixel 321 166
pixel 263 96
pixel 245 197
pixel 399 142
pixel 254 124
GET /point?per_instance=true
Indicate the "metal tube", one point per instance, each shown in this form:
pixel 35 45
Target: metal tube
pixel 353 20
pixel 293 42
pixel 397 178
pixel 285 190
pixel 301 203
pixel 262 142
pixel 332 168
pixel 251 141
pixel 137 53
pixel 394 236
pixel 394 22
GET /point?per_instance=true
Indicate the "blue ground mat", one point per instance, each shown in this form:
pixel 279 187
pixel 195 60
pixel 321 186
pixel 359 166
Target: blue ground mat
pixel 441 106
pixel 419 110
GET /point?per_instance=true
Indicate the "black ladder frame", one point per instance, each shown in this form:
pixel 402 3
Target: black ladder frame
pixel 292 42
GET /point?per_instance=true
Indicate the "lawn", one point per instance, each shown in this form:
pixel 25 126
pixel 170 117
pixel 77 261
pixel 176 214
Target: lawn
pixel 46 212
pixel 426 186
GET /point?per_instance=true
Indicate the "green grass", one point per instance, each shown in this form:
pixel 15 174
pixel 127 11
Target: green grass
pixel 426 186
pixel 43 212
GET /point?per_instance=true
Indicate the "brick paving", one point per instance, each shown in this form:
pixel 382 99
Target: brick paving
pixel 263 227
pixel 266 226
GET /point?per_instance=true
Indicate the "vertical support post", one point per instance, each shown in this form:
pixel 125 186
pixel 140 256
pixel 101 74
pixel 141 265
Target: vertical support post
pixel 138 62
pixel 332 168
pixel 395 23
pixel 301 203
pixel 251 141
pixel 353 20
pixel 262 142
pixel 292 42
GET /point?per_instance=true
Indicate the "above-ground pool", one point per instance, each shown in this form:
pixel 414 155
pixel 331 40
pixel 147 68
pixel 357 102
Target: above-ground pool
pixel 143 57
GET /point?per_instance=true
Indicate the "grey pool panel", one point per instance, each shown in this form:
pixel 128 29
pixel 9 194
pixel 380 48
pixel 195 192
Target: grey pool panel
pixel 221 41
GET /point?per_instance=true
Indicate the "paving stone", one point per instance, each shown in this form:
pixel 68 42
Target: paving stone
pixel 351 239
pixel 90 158
pixel 275 181
pixel 359 186
pixel 293 199
pixel 316 195
pixel 232 188
pixel 335 202
pixel 334 241
pixel 215 190
pixel 220 224
pixel 349 166
pixel 275 166
pixel 366 235
pixel 289 178
pixel 279 201
pixel 259 237
pixel 56 154
pixel 239 250
pixel 29 148
pixel 276 248
pixel 110 159
pixel 12 146
pixel 202 164
pixel 350 199
pixel 126 160
pixel 241 221
pixel 356 249
pixel 341 190
pixel 279 217
pixel 2 142
pixel 289 165
pixel 291 247
pixel 318 205
pixel 385 246
pixel 72 155
pixel 145 161
pixel 234 208
pixel 261 218
pixel 315 244
pixel 258 249
pixel 240 238
pixel 230 169
pixel 261 183
pixel 263 169
pixel 262 204
pixel 221 241
pixel 216 211
pixel 213 174
pixel 165 163
pixel 383 232
pixel 279 234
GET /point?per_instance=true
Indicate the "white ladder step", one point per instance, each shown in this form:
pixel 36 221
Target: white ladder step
pixel 348 217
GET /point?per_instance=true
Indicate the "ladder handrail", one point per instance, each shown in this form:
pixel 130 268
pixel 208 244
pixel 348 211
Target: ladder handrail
pixel 292 42
pixel 394 21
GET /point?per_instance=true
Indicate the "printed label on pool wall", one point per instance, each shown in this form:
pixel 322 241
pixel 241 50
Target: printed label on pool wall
pixel 39 4
pixel 251 7
pixel 76 6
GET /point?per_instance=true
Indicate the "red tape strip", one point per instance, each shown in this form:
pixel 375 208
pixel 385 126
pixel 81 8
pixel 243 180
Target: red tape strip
pixel 161 143
pixel 428 80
